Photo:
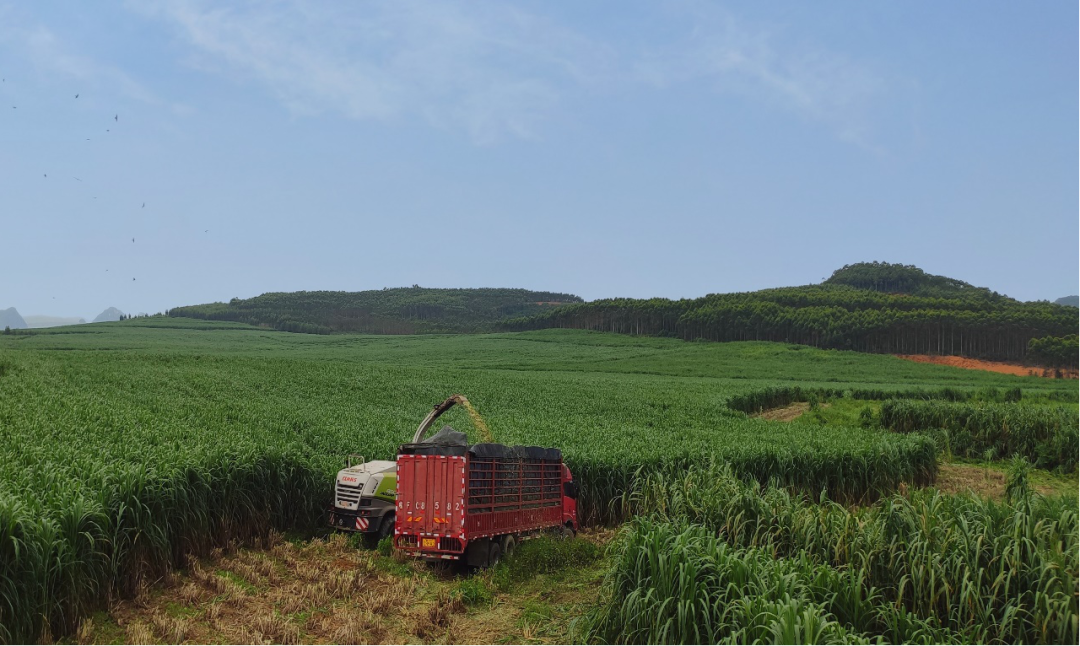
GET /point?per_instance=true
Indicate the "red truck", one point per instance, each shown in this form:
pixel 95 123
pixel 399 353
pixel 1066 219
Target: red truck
pixel 473 503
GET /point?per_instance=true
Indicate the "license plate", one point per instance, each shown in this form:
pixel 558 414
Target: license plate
pixel 428 542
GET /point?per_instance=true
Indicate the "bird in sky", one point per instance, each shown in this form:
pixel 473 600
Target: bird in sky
pixel 78 178
pixel 116 118
pixel 133 279
pixel 144 205
pixel 76 96
pixel 46 174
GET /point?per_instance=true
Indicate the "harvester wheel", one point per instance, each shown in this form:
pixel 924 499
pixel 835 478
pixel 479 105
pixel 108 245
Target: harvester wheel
pixel 386 528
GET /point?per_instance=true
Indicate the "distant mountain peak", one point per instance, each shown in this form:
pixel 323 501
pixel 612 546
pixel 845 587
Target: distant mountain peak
pixel 111 314
pixel 1074 301
pixel 12 319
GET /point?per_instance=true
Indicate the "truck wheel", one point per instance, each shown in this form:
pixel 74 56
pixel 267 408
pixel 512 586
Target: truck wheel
pixel 494 554
pixel 508 545
pixel 565 532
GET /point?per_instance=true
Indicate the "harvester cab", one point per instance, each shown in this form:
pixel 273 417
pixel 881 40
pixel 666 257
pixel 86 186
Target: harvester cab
pixel 365 492
pixel 364 498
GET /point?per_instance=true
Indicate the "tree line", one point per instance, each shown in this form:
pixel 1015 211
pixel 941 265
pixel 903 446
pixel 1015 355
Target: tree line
pixel 404 310
pixel 1056 352
pixel 869 307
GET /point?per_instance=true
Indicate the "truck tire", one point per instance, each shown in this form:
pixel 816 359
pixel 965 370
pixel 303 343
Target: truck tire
pixel 509 544
pixel 494 554
pixel 476 554
pixel 565 532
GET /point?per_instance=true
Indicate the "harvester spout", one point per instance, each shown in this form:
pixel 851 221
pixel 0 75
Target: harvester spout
pixel 439 409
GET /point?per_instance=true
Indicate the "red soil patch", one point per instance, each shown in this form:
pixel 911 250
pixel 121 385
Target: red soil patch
pixel 992 366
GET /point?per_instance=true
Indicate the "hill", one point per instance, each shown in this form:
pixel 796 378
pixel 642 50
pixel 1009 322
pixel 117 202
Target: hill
pixel 40 320
pixel 10 318
pixel 892 278
pixel 1073 301
pixel 869 307
pixel 111 314
pixel 403 310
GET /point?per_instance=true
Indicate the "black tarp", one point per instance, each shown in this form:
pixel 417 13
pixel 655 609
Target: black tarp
pixel 450 442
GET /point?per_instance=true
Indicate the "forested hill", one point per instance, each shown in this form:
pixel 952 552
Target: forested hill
pixel 869 307
pixel 403 310
pixel 907 279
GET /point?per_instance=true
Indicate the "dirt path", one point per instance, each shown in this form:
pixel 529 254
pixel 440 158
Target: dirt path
pixel 992 366
pixel 989 481
pixel 788 413
pixel 962 478
pixel 328 592
pixel 785 413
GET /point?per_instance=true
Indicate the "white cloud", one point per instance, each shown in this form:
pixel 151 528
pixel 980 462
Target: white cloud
pixel 807 79
pixel 488 68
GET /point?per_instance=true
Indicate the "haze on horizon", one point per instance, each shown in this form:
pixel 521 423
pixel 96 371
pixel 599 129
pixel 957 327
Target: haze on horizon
pixel 218 150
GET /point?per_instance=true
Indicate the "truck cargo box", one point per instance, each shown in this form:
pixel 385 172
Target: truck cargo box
pixel 450 496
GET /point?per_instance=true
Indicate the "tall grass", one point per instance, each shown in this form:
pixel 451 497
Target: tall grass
pixel 1046 435
pixel 58 563
pixel 850 472
pixel 673 584
pixel 723 560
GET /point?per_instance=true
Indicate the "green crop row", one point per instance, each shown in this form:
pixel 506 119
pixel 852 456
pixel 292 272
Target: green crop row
pixel 724 561
pixel 1046 435
pixel 758 400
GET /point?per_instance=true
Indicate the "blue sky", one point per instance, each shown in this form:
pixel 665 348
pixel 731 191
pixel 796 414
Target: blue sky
pixel 632 149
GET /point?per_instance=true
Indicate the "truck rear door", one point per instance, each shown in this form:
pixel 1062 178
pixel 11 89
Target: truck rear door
pixel 431 499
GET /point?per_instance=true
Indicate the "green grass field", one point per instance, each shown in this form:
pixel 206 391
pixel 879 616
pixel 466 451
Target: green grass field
pixel 125 446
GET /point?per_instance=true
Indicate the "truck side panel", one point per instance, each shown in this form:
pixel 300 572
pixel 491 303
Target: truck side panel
pixel 509 495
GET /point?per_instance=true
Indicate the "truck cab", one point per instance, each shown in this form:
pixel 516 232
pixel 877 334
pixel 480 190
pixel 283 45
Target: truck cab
pixel 569 499
pixel 364 496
